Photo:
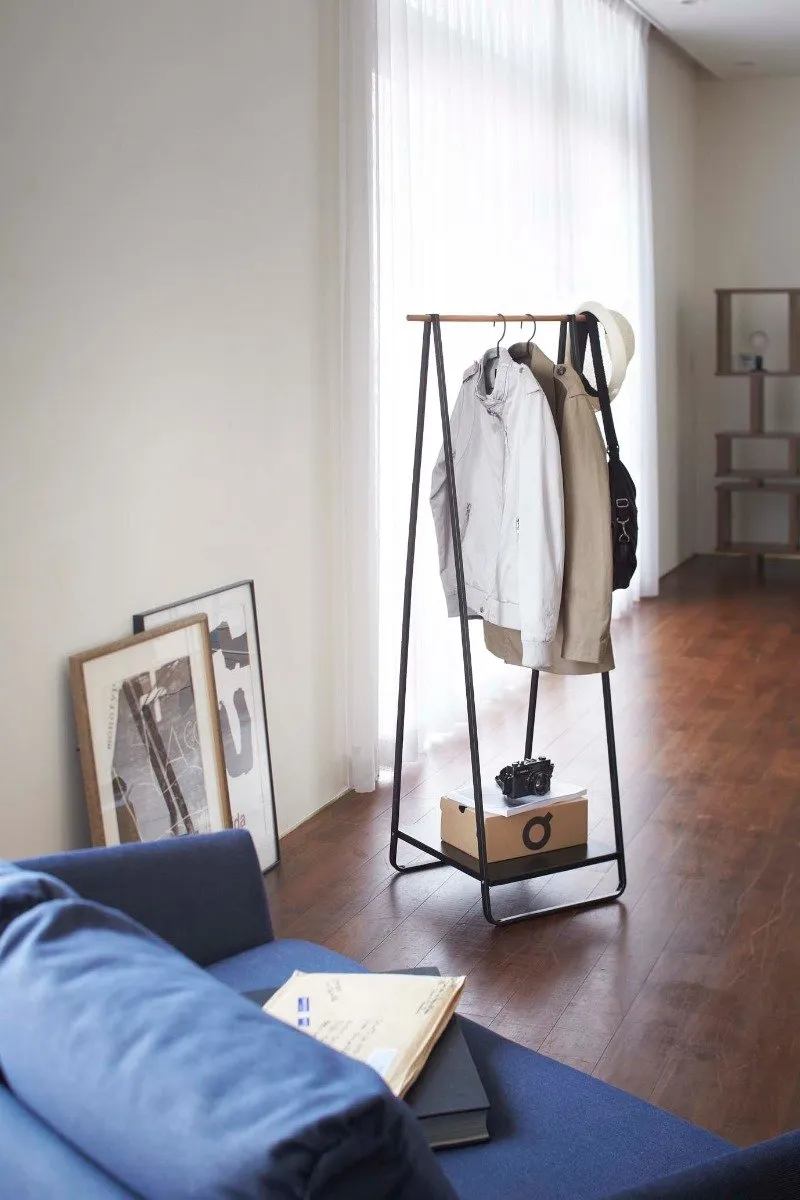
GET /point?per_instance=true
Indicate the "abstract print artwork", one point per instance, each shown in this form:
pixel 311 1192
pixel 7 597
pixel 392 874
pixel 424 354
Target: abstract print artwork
pixel 157 768
pixel 233 632
pixel 148 733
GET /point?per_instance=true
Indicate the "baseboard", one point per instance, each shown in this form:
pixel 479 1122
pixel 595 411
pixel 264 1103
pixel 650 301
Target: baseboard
pixel 339 796
pixel 678 566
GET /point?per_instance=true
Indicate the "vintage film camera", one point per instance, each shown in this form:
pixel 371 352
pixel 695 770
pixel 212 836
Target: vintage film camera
pixel 531 777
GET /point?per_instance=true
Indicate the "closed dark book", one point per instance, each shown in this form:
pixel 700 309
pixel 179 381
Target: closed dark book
pixel 448 1098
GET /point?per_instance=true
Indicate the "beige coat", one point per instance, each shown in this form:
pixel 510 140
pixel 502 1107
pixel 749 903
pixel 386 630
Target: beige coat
pixel 583 641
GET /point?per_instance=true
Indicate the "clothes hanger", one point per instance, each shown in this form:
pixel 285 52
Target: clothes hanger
pixel 502 335
pixel 528 352
pixel 491 356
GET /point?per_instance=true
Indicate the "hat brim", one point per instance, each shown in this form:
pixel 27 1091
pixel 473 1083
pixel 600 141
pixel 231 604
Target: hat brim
pixel 619 339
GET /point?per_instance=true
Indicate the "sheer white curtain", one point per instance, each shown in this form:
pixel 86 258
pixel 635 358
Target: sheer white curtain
pixel 359 349
pixel 511 173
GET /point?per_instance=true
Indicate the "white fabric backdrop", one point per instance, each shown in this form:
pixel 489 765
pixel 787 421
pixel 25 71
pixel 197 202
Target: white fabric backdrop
pixel 511 173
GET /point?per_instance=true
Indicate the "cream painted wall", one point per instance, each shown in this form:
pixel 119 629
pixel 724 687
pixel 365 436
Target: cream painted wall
pixel 167 204
pixel 748 156
pixel 673 89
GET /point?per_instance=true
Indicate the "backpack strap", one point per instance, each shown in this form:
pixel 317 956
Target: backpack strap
pixel 562 342
pixel 578 339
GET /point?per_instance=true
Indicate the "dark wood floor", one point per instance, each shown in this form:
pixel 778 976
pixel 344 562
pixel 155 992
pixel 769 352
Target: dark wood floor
pixel 687 992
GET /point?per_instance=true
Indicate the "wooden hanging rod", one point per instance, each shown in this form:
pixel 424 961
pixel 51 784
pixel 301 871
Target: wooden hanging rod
pixel 495 317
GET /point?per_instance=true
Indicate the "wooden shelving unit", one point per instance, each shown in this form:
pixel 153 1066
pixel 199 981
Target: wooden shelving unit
pixel 725 327
pixel 731 479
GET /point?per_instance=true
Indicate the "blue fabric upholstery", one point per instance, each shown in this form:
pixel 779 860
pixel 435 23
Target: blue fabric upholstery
pixel 37 1163
pixel 23 890
pixel 614 1140
pixel 555 1132
pixel 204 895
pixel 770 1170
pixel 175 1085
pixel 271 965
pixel 559 1134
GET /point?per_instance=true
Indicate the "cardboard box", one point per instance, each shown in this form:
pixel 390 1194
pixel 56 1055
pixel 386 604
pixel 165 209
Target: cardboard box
pixel 540 829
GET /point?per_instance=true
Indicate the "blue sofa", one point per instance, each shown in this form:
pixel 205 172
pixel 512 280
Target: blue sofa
pixel 554 1131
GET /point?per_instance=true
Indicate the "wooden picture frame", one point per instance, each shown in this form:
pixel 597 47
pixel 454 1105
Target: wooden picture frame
pixel 236 655
pixel 149 737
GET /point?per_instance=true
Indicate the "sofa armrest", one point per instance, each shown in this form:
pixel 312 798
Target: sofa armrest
pixel 203 894
pixel 768 1169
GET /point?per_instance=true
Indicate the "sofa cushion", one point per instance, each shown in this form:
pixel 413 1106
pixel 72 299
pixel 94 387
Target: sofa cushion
pixel 561 1135
pixel 177 1086
pixel 271 965
pixel 37 1162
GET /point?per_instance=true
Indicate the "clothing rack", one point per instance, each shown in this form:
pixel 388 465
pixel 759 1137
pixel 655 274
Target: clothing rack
pixel 544 863
pixel 493 317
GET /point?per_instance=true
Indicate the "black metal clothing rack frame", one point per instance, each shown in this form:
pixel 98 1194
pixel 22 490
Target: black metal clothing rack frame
pixel 546 862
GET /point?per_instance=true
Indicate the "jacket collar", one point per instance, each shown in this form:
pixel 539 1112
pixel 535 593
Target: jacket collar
pixel 552 378
pixel 541 367
pixel 494 401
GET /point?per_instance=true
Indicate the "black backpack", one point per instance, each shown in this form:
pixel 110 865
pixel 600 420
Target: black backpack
pixel 624 513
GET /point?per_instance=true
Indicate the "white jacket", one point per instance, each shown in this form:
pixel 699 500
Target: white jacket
pixel 510 504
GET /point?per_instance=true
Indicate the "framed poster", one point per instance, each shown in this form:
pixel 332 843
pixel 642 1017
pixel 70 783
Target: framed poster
pixel 236 655
pixel 149 737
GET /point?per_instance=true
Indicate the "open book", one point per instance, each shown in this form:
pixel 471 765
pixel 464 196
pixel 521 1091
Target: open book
pixel 391 1022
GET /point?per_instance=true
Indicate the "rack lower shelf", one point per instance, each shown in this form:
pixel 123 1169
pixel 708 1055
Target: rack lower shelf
pixel 515 870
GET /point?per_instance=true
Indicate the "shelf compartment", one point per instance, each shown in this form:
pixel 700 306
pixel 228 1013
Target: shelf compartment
pixel 516 870
pixel 725 493
pixel 725 337
pixel 725 467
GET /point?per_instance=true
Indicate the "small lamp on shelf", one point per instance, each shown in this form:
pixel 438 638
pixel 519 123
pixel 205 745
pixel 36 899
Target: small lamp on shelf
pixel 759 344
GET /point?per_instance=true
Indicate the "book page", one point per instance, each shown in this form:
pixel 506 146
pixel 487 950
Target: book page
pixel 390 1022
